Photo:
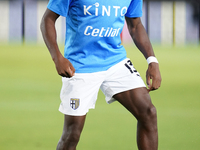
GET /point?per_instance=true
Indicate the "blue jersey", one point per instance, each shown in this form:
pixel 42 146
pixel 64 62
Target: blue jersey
pixel 93 30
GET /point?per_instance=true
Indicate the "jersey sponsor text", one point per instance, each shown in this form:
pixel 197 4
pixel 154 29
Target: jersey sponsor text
pixel 105 10
pixel 103 32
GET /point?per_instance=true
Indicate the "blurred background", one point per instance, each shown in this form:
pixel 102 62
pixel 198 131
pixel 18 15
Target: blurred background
pixel 166 22
pixel 30 86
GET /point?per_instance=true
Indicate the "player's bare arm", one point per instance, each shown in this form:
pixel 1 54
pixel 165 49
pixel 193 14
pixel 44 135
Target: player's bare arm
pixel 63 65
pixel 141 40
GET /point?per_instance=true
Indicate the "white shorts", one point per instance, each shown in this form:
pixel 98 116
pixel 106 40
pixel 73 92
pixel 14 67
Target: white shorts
pixel 79 93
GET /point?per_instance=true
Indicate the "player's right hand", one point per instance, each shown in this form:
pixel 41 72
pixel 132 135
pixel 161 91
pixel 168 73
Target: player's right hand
pixel 64 67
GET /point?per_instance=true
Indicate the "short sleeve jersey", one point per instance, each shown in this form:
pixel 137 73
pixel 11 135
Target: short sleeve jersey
pixel 93 30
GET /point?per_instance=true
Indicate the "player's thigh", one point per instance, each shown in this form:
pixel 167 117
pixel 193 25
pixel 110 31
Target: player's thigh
pixel 137 101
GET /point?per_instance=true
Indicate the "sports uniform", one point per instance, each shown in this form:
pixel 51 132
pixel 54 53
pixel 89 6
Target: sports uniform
pixel 93 46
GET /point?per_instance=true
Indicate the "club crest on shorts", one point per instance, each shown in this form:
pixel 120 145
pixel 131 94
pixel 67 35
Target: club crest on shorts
pixel 74 103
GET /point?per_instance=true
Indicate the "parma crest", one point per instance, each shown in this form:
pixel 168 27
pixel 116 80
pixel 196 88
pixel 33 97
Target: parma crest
pixel 74 103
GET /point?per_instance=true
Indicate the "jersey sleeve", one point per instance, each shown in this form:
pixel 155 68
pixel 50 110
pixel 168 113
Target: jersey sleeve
pixel 135 9
pixel 60 7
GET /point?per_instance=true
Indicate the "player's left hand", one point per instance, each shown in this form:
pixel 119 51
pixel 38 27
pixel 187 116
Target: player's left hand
pixel 153 77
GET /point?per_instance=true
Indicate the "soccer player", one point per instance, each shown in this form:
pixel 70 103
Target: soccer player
pixel 95 59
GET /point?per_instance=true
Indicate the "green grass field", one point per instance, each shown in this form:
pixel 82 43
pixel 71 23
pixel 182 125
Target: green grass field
pixel 29 100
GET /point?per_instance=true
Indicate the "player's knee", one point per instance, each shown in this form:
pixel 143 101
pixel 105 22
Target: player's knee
pixel 69 139
pixel 74 136
pixel 149 115
pixel 148 120
pixel 152 112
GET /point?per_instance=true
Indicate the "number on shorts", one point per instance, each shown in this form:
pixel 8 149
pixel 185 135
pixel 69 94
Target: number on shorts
pixel 131 68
